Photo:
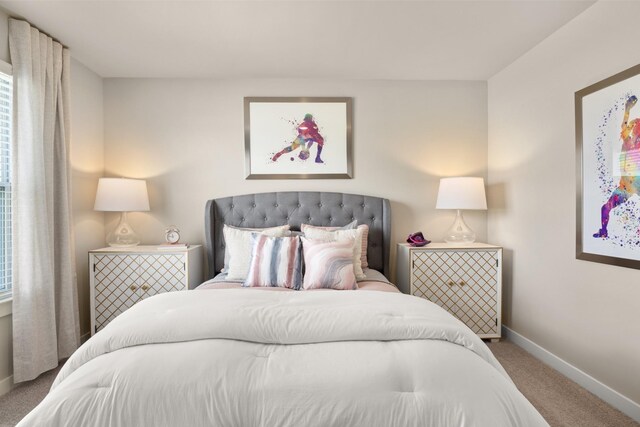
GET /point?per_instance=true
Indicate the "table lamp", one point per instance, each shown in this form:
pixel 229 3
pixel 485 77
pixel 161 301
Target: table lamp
pixel 122 195
pixel 461 193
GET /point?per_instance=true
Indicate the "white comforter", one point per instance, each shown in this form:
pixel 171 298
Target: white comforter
pixel 238 358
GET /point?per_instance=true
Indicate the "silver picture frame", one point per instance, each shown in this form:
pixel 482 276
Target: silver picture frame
pixel 250 172
pixel 581 252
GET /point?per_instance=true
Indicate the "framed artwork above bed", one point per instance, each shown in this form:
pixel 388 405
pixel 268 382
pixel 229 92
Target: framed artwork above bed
pixel 608 170
pixel 298 138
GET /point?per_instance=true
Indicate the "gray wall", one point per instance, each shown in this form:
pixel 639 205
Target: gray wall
pixel 583 312
pixel 186 138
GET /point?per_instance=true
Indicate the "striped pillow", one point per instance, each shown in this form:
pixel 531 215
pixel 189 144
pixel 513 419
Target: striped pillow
pixel 364 263
pixel 275 262
pixel 328 264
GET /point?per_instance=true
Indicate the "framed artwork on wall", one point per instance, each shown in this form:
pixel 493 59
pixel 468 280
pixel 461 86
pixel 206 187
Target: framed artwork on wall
pixel 298 138
pixel 608 170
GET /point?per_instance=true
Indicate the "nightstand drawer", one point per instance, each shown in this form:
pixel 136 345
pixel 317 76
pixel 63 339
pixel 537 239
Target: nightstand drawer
pixel 462 282
pixel 119 278
pixel 466 282
pixel 162 273
pixel 116 285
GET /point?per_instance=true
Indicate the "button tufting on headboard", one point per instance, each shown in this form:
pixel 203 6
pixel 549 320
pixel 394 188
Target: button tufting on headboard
pixel 295 208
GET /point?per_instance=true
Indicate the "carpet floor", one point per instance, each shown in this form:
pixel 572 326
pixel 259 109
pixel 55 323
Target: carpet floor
pixel 561 402
pixel 24 397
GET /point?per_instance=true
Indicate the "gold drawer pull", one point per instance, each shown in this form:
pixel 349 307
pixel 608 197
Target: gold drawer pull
pixel 133 287
pixel 451 283
pixel 145 287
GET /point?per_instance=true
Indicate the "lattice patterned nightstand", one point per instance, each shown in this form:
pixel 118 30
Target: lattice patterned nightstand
pixel 464 280
pixel 120 277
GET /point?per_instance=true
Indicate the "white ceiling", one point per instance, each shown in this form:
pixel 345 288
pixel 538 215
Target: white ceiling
pixel 466 40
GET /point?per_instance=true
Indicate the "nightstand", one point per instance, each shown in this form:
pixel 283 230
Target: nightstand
pixel 464 280
pixel 120 277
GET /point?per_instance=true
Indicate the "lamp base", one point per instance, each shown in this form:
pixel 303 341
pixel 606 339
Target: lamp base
pixel 459 232
pixel 123 235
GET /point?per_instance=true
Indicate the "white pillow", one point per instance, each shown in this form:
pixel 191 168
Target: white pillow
pixel 356 235
pixel 238 245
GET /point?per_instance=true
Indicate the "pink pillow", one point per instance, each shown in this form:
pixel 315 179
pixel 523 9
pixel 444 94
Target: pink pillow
pixel 328 264
pixel 364 263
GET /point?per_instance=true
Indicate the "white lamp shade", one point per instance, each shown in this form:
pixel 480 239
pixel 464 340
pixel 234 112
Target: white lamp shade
pixel 122 195
pixel 461 193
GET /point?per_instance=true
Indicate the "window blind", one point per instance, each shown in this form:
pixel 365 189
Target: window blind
pixel 6 119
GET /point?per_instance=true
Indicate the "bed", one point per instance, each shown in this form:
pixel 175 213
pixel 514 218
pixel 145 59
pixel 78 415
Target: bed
pixel 224 355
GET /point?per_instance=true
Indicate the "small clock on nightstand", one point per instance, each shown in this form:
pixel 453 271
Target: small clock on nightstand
pixel 172 234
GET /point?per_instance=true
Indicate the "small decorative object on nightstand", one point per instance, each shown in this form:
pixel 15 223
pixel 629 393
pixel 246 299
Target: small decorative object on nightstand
pixel 417 239
pixel 465 280
pixel 120 277
pixel 172 235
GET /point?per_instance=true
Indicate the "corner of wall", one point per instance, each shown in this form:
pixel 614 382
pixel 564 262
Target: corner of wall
pixel 87 163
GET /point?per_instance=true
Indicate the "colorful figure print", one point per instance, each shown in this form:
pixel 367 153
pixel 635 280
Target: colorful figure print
pixel 630 166
pixel 307 134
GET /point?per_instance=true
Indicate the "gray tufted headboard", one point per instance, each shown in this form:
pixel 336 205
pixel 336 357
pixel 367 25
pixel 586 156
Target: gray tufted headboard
pixel 295 208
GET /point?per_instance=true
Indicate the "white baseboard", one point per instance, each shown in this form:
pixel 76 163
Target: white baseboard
pixel 6 385
pixel 604 392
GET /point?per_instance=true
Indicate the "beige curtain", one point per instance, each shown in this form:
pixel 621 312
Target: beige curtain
pixel 45 303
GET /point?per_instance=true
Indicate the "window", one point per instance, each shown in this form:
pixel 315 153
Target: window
pixel 6 119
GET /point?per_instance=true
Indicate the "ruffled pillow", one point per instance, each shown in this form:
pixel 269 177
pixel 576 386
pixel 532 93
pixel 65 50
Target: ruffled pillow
pixel 275 262
pixel 329 264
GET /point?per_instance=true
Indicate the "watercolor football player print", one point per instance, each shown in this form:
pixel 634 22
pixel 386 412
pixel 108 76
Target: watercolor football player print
pixel 629 184
pixel 308 134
